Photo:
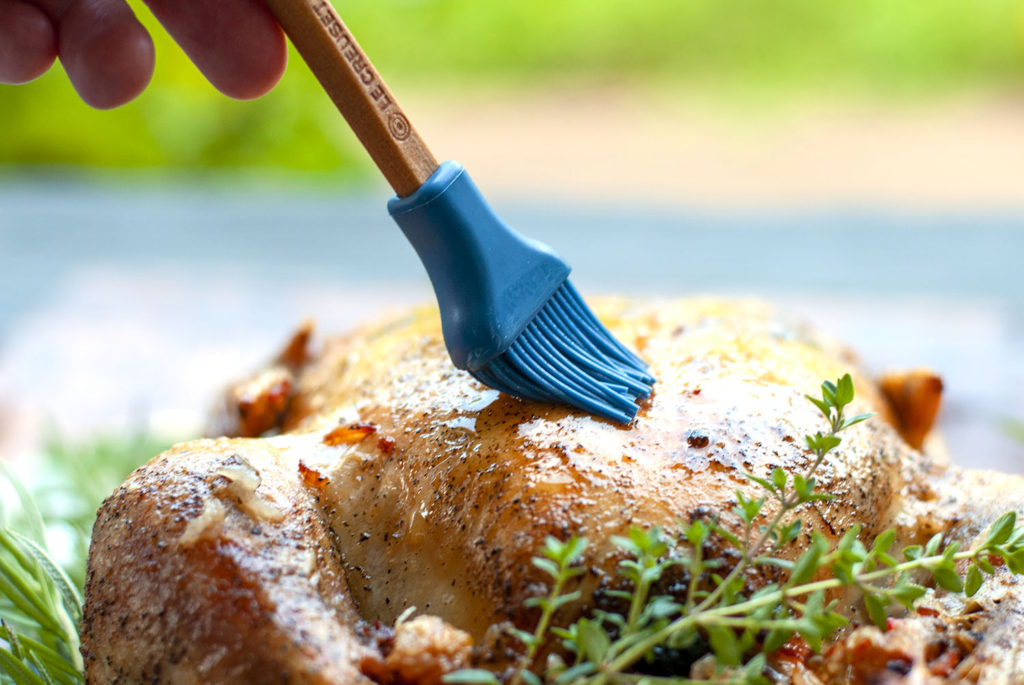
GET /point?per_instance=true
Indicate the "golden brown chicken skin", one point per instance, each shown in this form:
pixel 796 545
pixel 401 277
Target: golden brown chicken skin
pixel 398 481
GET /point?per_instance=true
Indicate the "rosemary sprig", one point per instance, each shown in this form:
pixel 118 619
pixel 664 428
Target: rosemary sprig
pixel 714 615
pixel 40 605
pixel 40 609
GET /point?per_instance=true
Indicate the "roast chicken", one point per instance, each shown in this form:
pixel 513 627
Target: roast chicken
pixel 373 517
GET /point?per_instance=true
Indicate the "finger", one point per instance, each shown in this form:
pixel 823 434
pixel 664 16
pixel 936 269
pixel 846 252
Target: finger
pixel 106 52
pixel 237 44
pixel 28 44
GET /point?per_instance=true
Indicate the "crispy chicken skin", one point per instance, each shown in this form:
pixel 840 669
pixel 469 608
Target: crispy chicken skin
pixel 188 585
pixel 397 481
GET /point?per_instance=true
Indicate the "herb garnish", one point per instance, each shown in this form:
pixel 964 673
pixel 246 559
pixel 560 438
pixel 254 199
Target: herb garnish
pixel 40 605
pixel 740 630
pixel 40 608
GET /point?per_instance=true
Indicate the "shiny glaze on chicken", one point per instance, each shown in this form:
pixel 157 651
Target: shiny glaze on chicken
pixel 398 481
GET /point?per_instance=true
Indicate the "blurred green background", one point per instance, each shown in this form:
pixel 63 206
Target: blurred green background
pixel 750 52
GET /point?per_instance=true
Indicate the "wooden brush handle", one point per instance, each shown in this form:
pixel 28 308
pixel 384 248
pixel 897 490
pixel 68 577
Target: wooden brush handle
pixel 357 90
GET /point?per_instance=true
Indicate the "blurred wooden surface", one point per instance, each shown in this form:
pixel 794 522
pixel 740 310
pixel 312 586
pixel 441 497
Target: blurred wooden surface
pixel 670 147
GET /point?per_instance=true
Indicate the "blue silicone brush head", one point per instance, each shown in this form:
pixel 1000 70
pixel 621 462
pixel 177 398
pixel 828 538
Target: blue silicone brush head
pixel 508 312
pixel 564 355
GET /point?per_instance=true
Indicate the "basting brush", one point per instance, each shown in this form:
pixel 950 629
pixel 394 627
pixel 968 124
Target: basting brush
pixel 508 312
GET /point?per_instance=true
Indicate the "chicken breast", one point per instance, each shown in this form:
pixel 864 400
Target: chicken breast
pixel 396 481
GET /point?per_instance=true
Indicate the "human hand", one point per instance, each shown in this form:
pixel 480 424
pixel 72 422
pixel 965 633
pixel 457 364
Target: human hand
pixel 108 55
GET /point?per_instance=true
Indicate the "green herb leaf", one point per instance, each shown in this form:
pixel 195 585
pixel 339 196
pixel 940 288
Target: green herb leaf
pixel 697 533
pixel 907 593
pixel 593 640
pixel 844 391
pixel 947 579
pixel 725 645
pixel 822 444
pixel 764 483
pixel 1015 561
pixel 473 676
pixel 747 509
pixel 973 581
pixel 807 565
pixel 829 390
pixel 856 419
pixel 999 531
pixel 779 479
pixel 933 545
pixel 876 606
pixel 884 542
pixel 775 639
pixel 17 670
pixel 577 671
pixel 55 574
pixel 546 565
pixel 822 405
pixel 789 532
pixel 531 678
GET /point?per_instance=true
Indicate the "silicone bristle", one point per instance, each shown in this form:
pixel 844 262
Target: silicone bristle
pixel 566 356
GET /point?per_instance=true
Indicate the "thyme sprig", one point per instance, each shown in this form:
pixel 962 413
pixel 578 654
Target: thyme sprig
pixel 715 614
